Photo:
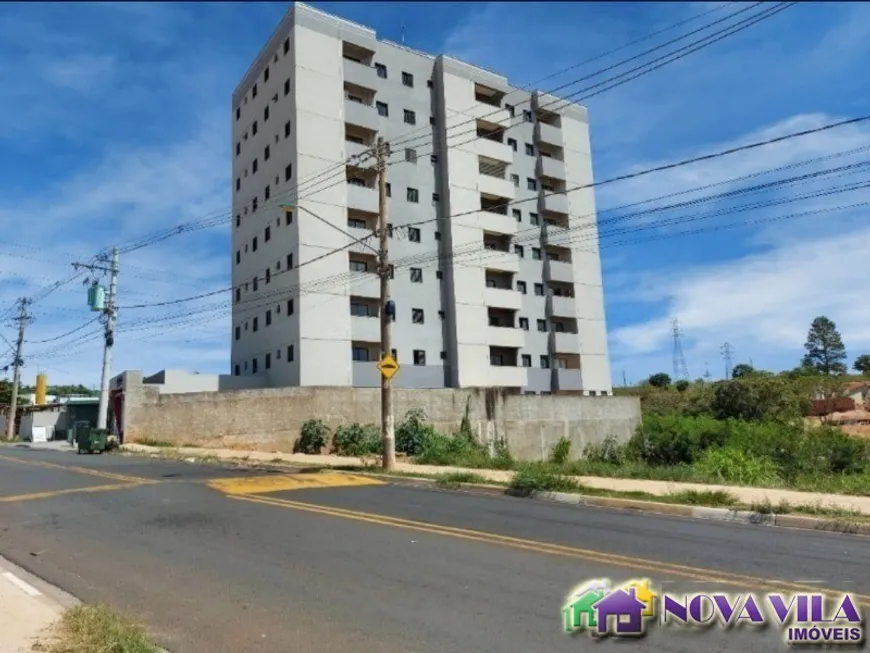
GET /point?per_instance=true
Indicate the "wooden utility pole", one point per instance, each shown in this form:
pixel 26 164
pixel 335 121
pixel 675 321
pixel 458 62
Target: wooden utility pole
pixel 23 319
pixel 387 365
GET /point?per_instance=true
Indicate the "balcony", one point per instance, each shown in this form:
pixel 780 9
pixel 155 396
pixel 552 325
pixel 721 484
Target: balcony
pixel 549 134
pixel 360 114
pixel 550 167
pixel 508 337
pixel 503 298
pixel 358 73
pixel 500 260
pixel 490 114
pixel 564 343
pixel 561 306
pixel 362 198
pixel 554 234
pixel 569 379
pixel 497 223
pixel 561 271
pixel 354 149
pixel 366 329
pixel 492 185
pixel 489 147
pixel 367 285
pixel 558 203
pixel 505 376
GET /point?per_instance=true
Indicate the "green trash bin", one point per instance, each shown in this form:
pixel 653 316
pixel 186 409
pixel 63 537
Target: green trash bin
pixel 91 440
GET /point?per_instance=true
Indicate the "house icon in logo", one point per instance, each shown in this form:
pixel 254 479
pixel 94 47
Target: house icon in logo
pixel 601 610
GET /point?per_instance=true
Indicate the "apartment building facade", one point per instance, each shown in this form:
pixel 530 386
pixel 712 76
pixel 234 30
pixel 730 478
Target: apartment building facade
pixel 497 278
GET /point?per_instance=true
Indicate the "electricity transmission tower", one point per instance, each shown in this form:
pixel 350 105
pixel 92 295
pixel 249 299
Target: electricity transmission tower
pixel 728 356
pixel 681 370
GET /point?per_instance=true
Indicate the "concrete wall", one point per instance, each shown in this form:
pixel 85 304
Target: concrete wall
pixel 271 419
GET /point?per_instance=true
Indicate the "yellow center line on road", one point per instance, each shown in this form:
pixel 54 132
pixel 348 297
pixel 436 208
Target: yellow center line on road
pixel 648 566
pixel 48 494
pixel 80 470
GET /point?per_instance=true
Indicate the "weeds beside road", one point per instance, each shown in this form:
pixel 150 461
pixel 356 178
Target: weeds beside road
pixel 97 629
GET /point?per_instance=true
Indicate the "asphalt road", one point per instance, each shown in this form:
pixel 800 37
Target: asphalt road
pixel 218 560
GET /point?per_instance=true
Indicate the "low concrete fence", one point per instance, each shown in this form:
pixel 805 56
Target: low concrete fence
pixel 271 419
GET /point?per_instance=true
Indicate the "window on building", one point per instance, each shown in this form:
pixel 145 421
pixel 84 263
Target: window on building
pixel 533 218
pixel 536 253
pixel 515 179
pixel 414 234
pixel 238 148
pixel 519 251
pixel 238 221
pixel 288 174
pixel 254 325
pixel 510 109
pixel 539 289
pixel 407 79
pixel 290 353
pixel 287 129
pixel 419 357
pixel 290 307
pixel 238 294
pixel 266 113
pixel 413 195
pixel 531 184
pixel 521 287
pixel 527 116
pixel 517 214
pixel 524 323
pixel 266 74
pixel 410 155
pixel 288 217
pixel 238 113
pixel 266 153
pixel 527 360
pixel 254 244
pixel 530 149
pixel 417 316
pixel 254 366
pixel 356 223
pixel 268 275
pixel 254 91
pixel 358 266
pixel 255 166
pixel 238 256
pixel 254 128
pixel 381 70
pixel 432 120
pixel 359 310
pixel 268 318
pixel 361 354
pixel 545 362
pixel 236 371
pixel 513 143
pixel 383 109
pixel 435 199
pixel 389 190
pixel 238 332
pixel 287 45
pixel 559 327
pixel 416 275
pixel 410 117
pixel 542 325
pixel 287 86
pixel 238 184
pixel 290 261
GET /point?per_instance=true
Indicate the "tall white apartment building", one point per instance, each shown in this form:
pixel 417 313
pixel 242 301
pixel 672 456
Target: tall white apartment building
pixel 498 281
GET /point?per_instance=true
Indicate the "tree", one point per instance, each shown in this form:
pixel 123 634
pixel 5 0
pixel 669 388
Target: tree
pixel 741 370
pixel 825 350
pixel 660 380
pixel 5 392
pixel 862 364
pixel 682 385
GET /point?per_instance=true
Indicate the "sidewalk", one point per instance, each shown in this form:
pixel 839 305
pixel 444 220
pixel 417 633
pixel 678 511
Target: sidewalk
pixel 746 495
pixel 27 612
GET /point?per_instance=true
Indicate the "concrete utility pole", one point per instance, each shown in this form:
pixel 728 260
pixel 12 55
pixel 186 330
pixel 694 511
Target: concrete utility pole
pixel 23 319
pixel 109 342
pixel 388 423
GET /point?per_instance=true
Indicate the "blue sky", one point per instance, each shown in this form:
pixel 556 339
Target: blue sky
pixel 116 124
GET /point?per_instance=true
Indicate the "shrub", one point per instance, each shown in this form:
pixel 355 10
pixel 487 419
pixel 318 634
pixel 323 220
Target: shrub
pixel 561 451
pixel 682 385
pixel 759 398
pixel 356 440
pixel 413 433
pixel 503 458
pixel 829 450
pixel 674 439
pixel 535 479
pixel 312 438
pixel 731 465
pixel 608 451
pixel 454 450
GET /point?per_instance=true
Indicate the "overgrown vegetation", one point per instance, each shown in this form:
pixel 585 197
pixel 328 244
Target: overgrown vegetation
pixel 313 438
pixel 98 629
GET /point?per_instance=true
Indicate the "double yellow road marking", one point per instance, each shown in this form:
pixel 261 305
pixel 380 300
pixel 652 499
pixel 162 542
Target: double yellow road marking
pixel 248 485
pixel 710 576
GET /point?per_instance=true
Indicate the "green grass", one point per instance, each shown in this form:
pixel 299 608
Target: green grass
pixel 151 442
pixel 455 479
pixel 99 629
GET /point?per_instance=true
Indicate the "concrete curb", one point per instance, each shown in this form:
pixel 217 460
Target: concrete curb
pixel 748 517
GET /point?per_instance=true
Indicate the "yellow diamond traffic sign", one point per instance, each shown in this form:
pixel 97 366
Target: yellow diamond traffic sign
pixel 388 366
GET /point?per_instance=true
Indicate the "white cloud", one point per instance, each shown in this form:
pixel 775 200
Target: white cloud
pixel 82 73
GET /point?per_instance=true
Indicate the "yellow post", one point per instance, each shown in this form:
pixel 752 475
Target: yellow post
pixel 41 388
